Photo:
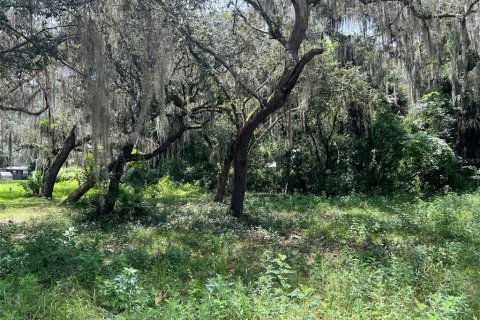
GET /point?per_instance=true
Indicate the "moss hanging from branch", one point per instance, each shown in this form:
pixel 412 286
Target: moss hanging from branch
pixel 96 93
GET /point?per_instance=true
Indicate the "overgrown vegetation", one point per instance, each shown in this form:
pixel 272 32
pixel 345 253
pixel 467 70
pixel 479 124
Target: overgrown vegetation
pixel 296 257
pixel 346 135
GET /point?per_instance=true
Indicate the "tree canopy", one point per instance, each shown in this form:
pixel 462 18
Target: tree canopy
pixel 302 95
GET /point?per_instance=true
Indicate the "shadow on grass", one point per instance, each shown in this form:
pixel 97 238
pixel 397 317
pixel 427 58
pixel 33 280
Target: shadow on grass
pixel 203 239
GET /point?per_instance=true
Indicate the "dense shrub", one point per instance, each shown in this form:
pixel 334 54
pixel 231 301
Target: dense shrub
pixel 70 174
pixel 380 153
pixel 33 184
pixel 434 114
pixel 428 163
pixel 141 176
pixel 169 191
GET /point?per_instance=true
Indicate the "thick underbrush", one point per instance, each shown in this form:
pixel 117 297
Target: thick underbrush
pixel 296 257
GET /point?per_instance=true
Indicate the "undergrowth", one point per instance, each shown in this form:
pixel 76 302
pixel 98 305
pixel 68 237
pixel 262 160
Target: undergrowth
pixel 296 257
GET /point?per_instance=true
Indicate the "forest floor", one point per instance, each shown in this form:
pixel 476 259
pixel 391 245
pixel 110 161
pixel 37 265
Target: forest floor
pixel 16 206
pixel 296 257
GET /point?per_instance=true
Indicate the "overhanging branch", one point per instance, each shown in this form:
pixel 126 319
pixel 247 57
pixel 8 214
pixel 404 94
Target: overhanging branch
pixel 273 28
pixel 424 15
pixel 226 65
pixel 24 110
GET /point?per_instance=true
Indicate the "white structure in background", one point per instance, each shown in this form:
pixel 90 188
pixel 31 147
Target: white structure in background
pixel 6 176
pixel 272 165
pixel 17 172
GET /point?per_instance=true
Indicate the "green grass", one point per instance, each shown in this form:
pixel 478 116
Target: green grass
pixel 15 205
pixel 297 257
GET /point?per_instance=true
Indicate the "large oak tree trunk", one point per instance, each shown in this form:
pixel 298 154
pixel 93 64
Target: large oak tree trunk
pixel 223 175
pixel 52 172
pixel 240 159
pixel 116 167
pixel 115 177
pixel 276 101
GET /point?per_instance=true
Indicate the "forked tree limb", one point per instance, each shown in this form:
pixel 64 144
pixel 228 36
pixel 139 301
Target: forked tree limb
pixel 24 110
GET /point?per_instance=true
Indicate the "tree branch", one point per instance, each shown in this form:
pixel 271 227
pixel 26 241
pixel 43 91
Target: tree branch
pixel 276 100
pixel 162 148
pixel 80 142
pixel 23 110
pixel 220 60
pixel 300 27
pixel 273 28
pixel 428 16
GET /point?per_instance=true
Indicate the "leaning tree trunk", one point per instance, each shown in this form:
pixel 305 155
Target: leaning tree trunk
pixel 78 193
pixel 223 175
pixel 244 136
pixel 115 177
pixel 294 67
pixel 52 172
pixel 126 155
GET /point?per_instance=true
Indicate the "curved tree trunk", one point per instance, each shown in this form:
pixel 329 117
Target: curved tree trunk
pixel 79 192
pixel 294 66
pixel 276 101
pixel 116 167
pixel 52 172
pixel 223 175
pixel 115 177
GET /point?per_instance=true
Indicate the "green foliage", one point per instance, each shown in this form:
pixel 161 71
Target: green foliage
pixel 33 184
pixel 277 273
pixel 382 151
pixel 130 202
pixel 47 126
pixel 194 162
pixel 298 257
pixel 17 205
pixel 435 115
pixel 139 177
pixel 70 174
pixel 139 198
pixel 26 298
pixel 427 162
pixel 121 292
pixel 265 172
pixel 169 191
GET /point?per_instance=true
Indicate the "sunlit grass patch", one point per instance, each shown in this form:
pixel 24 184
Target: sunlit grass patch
pixel 12 193
pixel 16 205
pixel 20 214
pixel 169 191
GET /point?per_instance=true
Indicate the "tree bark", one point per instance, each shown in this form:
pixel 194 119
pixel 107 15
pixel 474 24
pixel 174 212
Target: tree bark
pixel 240 158
pixel 223 175
pixel 23 110
pixel 294 67
pixel 115 177
pixel 52 172
pixel 277 100
pixel 10 152
pixel 83 189
pixel 288 153
pixel 79 192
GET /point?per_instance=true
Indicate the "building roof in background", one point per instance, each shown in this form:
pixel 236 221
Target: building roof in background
pixel 16 168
